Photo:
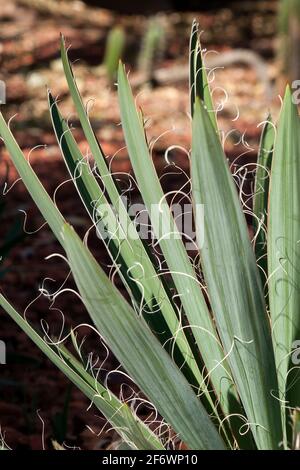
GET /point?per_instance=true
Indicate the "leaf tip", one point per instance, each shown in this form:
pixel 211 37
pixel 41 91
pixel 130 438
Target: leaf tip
pixel 288 93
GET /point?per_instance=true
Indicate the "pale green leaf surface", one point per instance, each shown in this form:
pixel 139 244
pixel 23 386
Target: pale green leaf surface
pixel 170 241
pixel 53 216
pixel 199 86
pixel 125 247
pixel 141 354
pixel 233 282
pixel 284 244
pixel 261 195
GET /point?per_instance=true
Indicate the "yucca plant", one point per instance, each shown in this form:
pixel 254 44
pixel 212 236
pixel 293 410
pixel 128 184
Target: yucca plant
pixel 214 357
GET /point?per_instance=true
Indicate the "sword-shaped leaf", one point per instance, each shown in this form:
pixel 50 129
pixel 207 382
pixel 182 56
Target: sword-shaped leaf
pixel 172 246
pixel 284 248
pixel 234 284
pixel 141 354
pixel 199 86
pixel 132 249
pixel 261 196
pixel 127 252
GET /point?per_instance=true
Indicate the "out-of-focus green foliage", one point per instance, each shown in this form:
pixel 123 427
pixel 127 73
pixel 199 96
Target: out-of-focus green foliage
pixel 115 44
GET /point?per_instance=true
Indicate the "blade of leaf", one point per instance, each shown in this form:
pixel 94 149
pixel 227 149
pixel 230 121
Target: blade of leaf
pixel 128 252
pixel 261 195
pixel 190 417
pixel 234 283
pixel 139 351
pixel 192 61
pixel 34 186
pixel 199 86
pixel 120 415
pixel 152 281
pixel 284 248
pixel 170 241
pixel 37 191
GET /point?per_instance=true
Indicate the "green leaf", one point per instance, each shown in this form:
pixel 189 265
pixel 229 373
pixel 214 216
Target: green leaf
pixel 95 147
pixel 40 196
pixel 284 247
pixel 127 252
pixel 296 429
pixel 95 201
pixel 199 86
pixel 234 285
pixel 173 404
pixel 192 61
pixel 172 246
pixel 136 347
pixel 120 415
pixel 261 196
pixel 43 200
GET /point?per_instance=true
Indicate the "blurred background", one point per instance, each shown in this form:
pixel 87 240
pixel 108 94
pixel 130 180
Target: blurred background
pixel 253 49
